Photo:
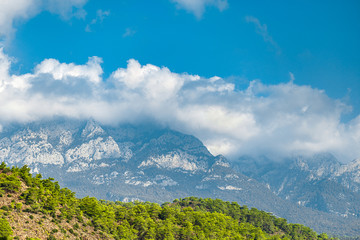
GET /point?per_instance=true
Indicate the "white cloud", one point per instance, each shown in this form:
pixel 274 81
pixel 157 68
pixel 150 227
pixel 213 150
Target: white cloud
pixel 197 7
pixel 277 119
pixel 65 8
pixel 129 32
pixel 100 16
pixel 292 77
pixel 262 30
pixel 13 11
pixel 62 71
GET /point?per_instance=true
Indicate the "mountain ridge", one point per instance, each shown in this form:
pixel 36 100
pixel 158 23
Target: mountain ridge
pixel 35 207
pixel 320 182
pixel 148 164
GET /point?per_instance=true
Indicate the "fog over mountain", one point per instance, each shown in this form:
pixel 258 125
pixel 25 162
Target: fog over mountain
pixel 320 182
pixel 149 163
pixel 278 120
pixel 159 100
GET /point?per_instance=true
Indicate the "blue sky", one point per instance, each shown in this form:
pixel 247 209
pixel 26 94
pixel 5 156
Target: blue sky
pixel 303 53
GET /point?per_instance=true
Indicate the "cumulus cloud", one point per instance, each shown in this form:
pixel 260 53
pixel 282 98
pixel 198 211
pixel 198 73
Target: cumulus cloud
pixel 262 30
pixel 277 119
pixel 197 7
pixel 14 11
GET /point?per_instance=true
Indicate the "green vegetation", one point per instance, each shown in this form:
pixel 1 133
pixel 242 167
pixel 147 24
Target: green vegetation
pixel 263 220
pixel 188 218
pixel 5 229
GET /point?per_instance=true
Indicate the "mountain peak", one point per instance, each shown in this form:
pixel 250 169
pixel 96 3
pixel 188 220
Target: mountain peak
pixel 220 160
pixel 133 162
pixel 322 164
pixel 174 160
pixel 92 129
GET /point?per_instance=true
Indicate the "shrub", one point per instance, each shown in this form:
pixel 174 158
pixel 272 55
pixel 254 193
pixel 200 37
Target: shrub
pixel 9 183
pixel 18 206
pixel 5 208
pixel 51 237
pixel 5 229
pixel 76 226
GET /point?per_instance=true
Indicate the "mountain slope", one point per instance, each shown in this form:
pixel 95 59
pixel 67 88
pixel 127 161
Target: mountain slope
pixel 145 163
pixel 319 182
pixel 36 207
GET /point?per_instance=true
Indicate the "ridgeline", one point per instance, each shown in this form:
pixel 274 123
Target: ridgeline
pixel 36 208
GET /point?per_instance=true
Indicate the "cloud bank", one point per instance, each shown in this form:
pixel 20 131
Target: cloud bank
pixel 13 11
pixel 197 7
pixel 262 119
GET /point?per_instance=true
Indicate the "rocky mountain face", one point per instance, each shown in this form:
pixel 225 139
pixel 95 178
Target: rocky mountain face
pixel 320 182
pixel 149 163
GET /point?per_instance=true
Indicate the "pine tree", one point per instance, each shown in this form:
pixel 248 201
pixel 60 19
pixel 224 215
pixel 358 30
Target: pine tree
pixel 5 229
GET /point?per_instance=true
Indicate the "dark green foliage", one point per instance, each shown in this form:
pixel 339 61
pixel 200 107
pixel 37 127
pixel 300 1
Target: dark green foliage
pixel 5 208
pixel 5 229
pixel 188 218
pixel 76 226
pixel 266 221
pixel 51 237
pixel 9 182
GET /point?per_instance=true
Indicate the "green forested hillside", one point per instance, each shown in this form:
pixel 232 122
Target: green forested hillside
pixel 32 207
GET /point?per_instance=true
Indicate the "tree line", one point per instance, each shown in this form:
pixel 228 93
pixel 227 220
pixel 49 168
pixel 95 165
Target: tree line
pixel 187 218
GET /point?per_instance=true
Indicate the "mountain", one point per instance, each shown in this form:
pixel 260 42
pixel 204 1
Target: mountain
pixel 36 208
pixel 348 175
pixel 320 182
pixel 146 163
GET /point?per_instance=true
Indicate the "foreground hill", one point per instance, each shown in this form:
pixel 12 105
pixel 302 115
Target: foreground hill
pixel 126 163
pixel 32 207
